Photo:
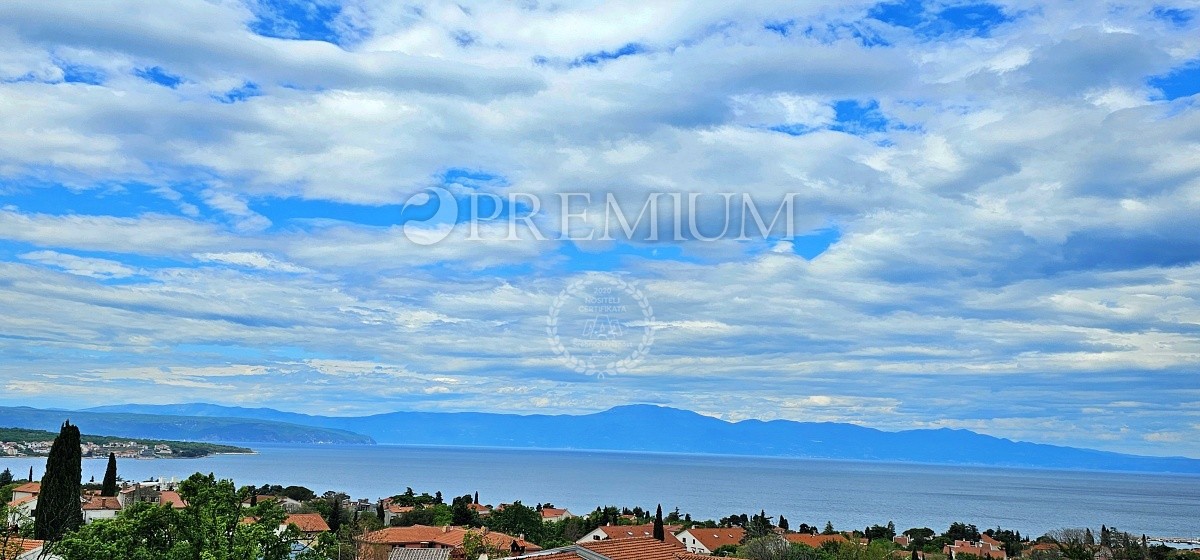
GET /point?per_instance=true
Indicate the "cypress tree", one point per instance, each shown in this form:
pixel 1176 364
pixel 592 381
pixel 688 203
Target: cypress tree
pixel 6 477
pixel 30 479
pixel 109 487
pixel 59 510
pixel 659 532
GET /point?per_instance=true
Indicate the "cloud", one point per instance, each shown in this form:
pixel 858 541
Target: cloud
pixel 1013 201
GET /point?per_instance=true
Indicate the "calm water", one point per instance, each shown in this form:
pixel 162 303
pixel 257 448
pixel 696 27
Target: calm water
pixel 850 494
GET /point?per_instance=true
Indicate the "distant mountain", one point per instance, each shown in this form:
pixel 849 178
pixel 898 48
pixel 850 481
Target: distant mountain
pixel 176 427
pixel 662 429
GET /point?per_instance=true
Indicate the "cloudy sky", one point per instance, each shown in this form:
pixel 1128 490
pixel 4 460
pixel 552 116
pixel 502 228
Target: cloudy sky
pixel 996 203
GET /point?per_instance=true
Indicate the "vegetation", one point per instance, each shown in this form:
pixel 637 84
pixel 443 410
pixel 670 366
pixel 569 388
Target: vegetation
pixel 109 487
pixel 59 510
pixel 181 449
pixel 215 525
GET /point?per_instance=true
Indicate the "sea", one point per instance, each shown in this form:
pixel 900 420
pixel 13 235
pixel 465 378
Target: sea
pixel 850 494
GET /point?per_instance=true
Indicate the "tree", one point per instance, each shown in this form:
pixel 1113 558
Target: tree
pixel 6 477
pixel 959 531
pixel 214 525
pixel 59 510
pixel 659 532
pixel 335 514
pixel 828 529
pixel 109 488
pixel 783 523
pixel 518 519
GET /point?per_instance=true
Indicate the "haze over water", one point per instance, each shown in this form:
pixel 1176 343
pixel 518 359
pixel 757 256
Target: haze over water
pixel 850 494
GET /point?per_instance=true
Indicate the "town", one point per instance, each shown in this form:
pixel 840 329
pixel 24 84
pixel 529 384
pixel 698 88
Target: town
pixel 58 517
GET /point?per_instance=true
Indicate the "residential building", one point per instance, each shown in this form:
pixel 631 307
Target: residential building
pixel 608 532
pixel 636 548
pixel 100 507
pixel 704 541
pixel 555 514
pixel 378 545
pixel 989 548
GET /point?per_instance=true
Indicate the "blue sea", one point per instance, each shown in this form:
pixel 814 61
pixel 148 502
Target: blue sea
pixel 850 494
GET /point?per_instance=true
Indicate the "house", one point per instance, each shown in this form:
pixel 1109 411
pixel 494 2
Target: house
pixel 309 524
pixel 289 505
pixel 419 554
pixel 608 532
pixel 20 548
pixel 704 541
pixel 378 545
pixel 100 507
pixel 902 540
pixel 392 511
pixel 637 548
pixel 481 509
pixel 814 541
pixel 981 548
pixel 20 511
pixel 555 514
pixel 27 490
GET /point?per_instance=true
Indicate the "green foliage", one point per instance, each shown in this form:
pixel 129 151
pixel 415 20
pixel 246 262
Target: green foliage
pixel 828 529
pixel 109 486
pixel 210 527
pixel 59 510
pixel 959 531
pixel 516 519
pixel 659 530
pixel 6 477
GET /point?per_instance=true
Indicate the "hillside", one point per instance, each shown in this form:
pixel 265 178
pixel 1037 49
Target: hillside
pixel 662 429
pixel 174 427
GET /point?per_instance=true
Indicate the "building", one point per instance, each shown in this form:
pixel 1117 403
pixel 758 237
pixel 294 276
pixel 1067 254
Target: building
pixel 378 545
pixel 704 541
pixel 902 540
pixel 27 490
pixel 637 548
pixel 100 507
pixel 608 532
pixel 419 554
pixel 989 548
pixel 555 514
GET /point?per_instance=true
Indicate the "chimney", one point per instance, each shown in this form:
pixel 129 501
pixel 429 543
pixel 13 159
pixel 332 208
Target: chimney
pixel 484 530
pixel 445 528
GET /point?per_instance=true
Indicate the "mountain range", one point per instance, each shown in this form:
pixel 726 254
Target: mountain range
pixel 641 428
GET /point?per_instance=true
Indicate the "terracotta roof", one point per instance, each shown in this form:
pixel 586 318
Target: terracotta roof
pixel 29 487
pixel 102 502
pixel 169 497
pixel 419 554
pixel 636 548
pixel 713 539
pixel 446 536
pixel 553 512
pixel 307 522
pixel 21 501
pixel 399 509
pixel 18 546
pixel 632 531
pixel 479 507
pixel 814 541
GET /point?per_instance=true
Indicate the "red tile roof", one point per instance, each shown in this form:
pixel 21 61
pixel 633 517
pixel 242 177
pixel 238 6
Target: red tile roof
pixel 307 522
pixel 29 487
pixel 553 512
pixel 449 536
pixel 647 530
pixel 635 548
pixel 102 502
pixel 172 498
pixel 713 539
pixel 21 501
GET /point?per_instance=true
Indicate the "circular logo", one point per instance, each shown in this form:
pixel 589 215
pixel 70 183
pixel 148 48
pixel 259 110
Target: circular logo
pixel 600 325
pixel 438 221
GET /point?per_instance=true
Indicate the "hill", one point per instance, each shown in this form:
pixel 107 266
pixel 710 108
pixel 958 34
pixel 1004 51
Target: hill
pixel 662 429
pixel 174 427
pixel 179 449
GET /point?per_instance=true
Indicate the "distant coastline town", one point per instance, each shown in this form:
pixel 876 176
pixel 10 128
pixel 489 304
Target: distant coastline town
pixel 57 516
pixel 17 442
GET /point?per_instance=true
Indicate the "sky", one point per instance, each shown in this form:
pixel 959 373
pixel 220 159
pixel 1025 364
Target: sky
pixel 996 208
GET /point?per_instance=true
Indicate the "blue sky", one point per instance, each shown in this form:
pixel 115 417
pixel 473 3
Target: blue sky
pixel 996 207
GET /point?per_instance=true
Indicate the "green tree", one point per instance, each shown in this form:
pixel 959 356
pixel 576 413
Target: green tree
pixel 59 510
pixel 517 519
pixel 828 529
pixel 6 477
pixel 659 531
pixel 109 487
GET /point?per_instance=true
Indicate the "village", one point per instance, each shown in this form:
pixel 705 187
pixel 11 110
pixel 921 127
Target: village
pixel 412 526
